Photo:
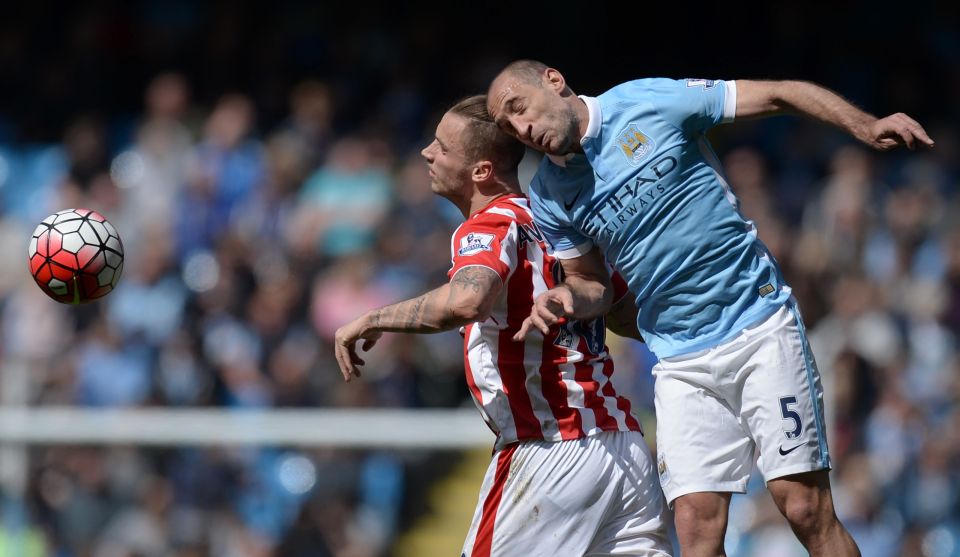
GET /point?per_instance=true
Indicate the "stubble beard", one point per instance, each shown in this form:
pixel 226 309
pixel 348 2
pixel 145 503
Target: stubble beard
pixel 569 142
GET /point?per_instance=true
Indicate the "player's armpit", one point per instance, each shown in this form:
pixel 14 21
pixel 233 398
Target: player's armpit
pixel 473 290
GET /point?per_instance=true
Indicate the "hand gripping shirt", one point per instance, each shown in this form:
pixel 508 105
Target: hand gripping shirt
pixel 649 191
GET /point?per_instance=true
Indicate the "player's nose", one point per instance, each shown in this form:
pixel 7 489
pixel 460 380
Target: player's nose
pixel 515 127
pixel 426 153
pixel 524 131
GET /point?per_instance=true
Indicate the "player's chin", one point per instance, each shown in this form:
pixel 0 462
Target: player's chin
pixel 557 147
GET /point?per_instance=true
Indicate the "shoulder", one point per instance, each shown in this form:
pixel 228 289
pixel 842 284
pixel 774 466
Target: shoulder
pixel 497 220
pixel 644 86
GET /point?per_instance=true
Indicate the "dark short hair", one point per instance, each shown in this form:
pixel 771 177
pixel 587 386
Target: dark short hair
pixel 527 71
pixel 483 140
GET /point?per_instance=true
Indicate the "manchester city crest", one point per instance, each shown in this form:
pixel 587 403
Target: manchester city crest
pixel 635 144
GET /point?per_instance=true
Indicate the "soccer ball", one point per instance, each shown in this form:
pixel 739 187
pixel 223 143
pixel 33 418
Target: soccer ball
pixel 76 256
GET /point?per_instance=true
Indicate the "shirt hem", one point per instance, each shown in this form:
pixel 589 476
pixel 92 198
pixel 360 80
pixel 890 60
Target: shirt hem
pixel 747 320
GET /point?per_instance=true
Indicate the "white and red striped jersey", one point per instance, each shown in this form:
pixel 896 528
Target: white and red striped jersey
pixel 551 388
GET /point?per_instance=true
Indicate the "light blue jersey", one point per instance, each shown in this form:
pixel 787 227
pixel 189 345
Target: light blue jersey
pixel 649 192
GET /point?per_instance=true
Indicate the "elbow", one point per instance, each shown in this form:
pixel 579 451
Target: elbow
pixel 784 95
pixel 469 312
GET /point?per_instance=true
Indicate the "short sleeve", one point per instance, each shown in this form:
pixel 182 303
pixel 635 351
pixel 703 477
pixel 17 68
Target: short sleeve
pixel 487 240
pixel 564 240
pixel 696 105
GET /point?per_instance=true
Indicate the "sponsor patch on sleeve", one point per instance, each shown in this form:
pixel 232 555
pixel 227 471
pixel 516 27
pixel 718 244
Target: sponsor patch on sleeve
pixel 705 83
pixel 474 243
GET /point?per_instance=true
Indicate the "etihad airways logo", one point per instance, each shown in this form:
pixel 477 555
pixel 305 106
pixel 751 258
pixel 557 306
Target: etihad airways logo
pixel 634 144
pixel 631 199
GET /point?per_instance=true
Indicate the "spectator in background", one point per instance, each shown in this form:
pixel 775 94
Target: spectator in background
pixel 311 119
pixel 343 203
pixel 152 172
pixel 226 169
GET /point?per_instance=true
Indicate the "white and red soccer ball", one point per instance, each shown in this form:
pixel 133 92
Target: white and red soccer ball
pixel 76 256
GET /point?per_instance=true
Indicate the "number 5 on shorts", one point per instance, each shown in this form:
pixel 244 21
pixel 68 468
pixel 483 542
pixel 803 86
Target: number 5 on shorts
pixel 790 415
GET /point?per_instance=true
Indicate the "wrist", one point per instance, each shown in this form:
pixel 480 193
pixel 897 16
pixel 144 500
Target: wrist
pixel 862 129
pixel 861 133
pixel 370 322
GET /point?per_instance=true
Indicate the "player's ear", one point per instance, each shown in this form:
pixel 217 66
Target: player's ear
pixel 553 79
pixel 482 171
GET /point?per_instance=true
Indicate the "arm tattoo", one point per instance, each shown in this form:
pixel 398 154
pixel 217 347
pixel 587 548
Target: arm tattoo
pixel 477 278
pixel 416 313
pixel 437 310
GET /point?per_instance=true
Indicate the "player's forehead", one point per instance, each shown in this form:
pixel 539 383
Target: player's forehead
pixel 450 130
pixel 504 93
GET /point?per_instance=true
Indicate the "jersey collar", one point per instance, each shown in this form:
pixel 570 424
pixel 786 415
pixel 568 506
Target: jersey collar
pixel 594 118
pixel 494 201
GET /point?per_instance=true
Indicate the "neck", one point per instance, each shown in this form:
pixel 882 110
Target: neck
pixel 583 118
pixel 486 194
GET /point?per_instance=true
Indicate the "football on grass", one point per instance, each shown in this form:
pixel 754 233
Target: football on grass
pixel 76 256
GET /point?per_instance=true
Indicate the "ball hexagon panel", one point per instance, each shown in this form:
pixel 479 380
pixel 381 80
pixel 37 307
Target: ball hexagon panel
pixel 66 260
pixel 42 241
pixel 43 274
pixel 36 262
pixel 114 259
pixel 116 276
pixel 97 262
pixel 105 276
pixel 69 226
pixel 90 235
pixel 113 243
pixel 110 229
pixel 58 287
pixel 86 255
pixel 65 216
pixel 72 242
pixel 53 243
pixel 61 272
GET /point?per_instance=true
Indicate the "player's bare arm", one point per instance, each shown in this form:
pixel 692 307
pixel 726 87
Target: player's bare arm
pixel 622 317
pixel 765 98
pixel 585 293
pixel 468 297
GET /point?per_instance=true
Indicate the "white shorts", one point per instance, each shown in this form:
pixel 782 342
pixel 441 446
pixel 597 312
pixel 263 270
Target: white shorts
pixel 715 407
pixel 593 496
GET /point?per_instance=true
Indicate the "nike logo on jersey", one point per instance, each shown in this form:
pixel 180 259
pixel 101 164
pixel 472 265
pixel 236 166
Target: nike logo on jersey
pixel 569 206
pixel 790 450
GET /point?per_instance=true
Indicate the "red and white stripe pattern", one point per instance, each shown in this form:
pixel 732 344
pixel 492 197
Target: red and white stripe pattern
pixel 552 388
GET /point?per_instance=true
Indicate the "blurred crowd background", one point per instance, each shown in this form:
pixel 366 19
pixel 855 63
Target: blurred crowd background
pixel 261 162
